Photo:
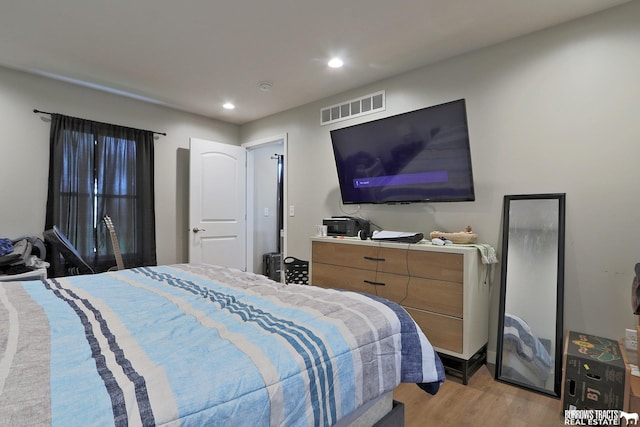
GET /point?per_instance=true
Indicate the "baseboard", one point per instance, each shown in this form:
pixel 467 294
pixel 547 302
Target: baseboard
pixel 491 357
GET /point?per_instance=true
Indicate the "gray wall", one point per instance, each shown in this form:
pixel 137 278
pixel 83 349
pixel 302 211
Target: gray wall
pixel 265 216
pixel 556 111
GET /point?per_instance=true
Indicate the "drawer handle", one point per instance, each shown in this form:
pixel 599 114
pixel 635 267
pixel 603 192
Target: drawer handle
pixel 374 283
pixel 370 258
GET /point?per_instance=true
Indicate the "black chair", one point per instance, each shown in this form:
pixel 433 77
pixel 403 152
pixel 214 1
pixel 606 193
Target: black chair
pixel 74 264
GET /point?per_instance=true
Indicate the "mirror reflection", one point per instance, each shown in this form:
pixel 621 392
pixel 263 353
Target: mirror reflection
pixel 530 335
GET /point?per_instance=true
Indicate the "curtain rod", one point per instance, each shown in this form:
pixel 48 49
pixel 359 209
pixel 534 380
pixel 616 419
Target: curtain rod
pixel 46 112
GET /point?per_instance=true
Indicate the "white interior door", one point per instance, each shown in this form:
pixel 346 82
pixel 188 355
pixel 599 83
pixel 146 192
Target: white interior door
pixel 217 204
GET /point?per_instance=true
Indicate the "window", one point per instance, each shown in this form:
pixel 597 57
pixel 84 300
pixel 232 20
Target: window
pixel 98 169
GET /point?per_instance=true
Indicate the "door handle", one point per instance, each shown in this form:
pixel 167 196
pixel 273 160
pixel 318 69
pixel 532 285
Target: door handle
pixel 374 283
pixel 196 229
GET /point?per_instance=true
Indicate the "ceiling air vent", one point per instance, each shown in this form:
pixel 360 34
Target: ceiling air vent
pixel 356 107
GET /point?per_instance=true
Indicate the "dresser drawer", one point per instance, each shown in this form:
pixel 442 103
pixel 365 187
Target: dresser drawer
pixel 436 265
pixel 392 260
pixel 357 256
pixel 442 331
pixel 391 286
pixel 340 277
pixel 435 295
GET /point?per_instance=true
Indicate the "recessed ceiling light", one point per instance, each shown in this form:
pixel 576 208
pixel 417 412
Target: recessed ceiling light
pixel 228 106
pixel 335 63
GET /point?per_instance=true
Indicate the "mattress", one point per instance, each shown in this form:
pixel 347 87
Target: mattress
pixel 200 345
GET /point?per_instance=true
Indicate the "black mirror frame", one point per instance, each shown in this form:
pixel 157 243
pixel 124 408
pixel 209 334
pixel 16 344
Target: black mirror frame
pixel 557 385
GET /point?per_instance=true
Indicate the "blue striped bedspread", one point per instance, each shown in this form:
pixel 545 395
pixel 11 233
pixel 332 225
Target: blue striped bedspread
pixel 199 345
pixel 520 338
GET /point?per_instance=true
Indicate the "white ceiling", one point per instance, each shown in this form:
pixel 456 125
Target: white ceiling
pixel 195 55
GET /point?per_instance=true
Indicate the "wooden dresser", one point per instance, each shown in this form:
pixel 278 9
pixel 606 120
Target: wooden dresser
pixel 442 287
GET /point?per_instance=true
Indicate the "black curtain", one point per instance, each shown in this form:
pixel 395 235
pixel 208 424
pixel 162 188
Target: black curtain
pixel 98 169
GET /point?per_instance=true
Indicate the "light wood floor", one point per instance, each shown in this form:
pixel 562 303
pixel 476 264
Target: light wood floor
pixel 483 402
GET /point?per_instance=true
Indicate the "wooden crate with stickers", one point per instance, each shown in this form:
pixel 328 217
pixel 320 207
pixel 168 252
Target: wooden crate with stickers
pixel 595 374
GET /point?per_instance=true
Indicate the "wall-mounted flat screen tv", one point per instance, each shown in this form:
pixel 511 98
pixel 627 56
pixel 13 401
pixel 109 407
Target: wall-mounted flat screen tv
pixel 419 156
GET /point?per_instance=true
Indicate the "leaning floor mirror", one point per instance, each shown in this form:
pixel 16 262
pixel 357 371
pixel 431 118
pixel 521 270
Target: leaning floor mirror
pixel 530 323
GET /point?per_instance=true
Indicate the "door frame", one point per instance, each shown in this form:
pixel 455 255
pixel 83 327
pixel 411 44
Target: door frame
pixel 250 147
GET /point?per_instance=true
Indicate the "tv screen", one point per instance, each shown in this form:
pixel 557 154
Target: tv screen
pixel 419 156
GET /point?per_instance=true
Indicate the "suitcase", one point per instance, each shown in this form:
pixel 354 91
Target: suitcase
pixel 272 265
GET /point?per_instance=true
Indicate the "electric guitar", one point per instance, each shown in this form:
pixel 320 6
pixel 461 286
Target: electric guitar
pixel 114 242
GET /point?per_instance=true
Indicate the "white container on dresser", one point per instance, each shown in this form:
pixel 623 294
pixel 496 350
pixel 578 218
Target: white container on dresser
pixel 442 287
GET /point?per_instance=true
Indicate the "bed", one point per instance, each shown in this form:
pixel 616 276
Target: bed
pixel 525 357
pixel 201 345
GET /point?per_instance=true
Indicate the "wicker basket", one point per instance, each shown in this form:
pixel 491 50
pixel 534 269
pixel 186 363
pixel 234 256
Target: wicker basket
pixel 296 271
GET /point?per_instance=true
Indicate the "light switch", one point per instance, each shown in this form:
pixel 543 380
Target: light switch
pixel 266 211
pixel 292 210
